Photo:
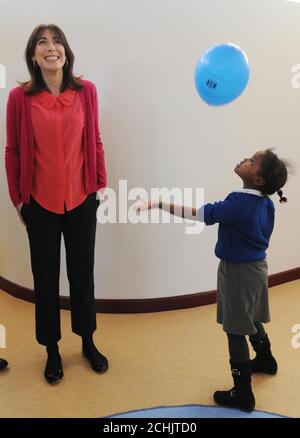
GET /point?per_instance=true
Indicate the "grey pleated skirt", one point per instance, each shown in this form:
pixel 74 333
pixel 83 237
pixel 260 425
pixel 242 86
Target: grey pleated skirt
pixel 242 296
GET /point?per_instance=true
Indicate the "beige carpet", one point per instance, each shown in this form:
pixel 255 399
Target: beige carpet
pixel 157 359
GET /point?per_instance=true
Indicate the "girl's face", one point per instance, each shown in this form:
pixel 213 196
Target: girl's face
pixel 49 52
pixel 249 171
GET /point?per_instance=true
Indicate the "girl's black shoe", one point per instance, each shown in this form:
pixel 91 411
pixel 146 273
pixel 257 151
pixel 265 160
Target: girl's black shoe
pixel 264 362
pixel 241 395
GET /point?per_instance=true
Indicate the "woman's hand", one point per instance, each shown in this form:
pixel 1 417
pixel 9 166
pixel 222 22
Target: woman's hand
pixel 101 194
pixel 19 208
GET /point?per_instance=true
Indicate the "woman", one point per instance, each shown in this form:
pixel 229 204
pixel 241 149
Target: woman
pixel 55 165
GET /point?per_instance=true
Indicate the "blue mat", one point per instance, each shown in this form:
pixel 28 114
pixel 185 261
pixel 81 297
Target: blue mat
pixel 194 411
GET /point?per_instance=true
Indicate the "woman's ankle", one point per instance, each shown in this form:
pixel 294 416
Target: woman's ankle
pixel 87 342
pixel 52 349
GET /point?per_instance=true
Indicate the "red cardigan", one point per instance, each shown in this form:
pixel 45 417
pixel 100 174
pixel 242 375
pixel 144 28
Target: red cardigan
pixel 19 149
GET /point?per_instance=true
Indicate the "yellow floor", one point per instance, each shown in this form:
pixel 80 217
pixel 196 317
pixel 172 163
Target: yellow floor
pixel 157 359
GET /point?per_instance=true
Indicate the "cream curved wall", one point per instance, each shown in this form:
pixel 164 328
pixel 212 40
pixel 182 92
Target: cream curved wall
pixel 158 133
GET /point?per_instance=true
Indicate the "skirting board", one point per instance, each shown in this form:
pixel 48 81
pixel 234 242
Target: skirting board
pixel 149 304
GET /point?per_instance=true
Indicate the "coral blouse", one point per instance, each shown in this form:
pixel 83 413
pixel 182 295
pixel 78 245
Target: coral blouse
pixel 58 173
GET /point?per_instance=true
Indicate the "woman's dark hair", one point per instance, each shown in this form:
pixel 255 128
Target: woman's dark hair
pixel 36 82
pixel 274 172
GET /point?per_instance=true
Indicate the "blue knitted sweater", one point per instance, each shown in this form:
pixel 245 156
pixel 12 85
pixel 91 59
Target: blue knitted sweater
pixel 246 221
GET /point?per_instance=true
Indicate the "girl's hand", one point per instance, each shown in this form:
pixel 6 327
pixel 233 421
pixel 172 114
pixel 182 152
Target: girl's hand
pixel 143 205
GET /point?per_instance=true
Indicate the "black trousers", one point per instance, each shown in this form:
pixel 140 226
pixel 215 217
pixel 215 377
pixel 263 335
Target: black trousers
pixel 44 229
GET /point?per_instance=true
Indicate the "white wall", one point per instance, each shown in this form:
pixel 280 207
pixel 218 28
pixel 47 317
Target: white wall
pixel 157 132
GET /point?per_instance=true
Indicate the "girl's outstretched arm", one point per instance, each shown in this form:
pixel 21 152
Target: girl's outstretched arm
pixel 177 210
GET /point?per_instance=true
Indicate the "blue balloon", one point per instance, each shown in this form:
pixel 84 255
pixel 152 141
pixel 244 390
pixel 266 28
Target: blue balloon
pixel 222 74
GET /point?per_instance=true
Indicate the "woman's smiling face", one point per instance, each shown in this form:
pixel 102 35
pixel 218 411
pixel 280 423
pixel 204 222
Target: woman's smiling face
pixel 49 52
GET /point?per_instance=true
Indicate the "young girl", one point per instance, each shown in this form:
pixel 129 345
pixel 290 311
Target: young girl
pixel 246 220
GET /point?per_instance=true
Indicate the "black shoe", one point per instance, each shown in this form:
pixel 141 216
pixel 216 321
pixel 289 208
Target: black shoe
pixel 264 362
pixel 241 395
pixel 53 371
pixel 243 400
pixel 3 364
pixel 98 362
